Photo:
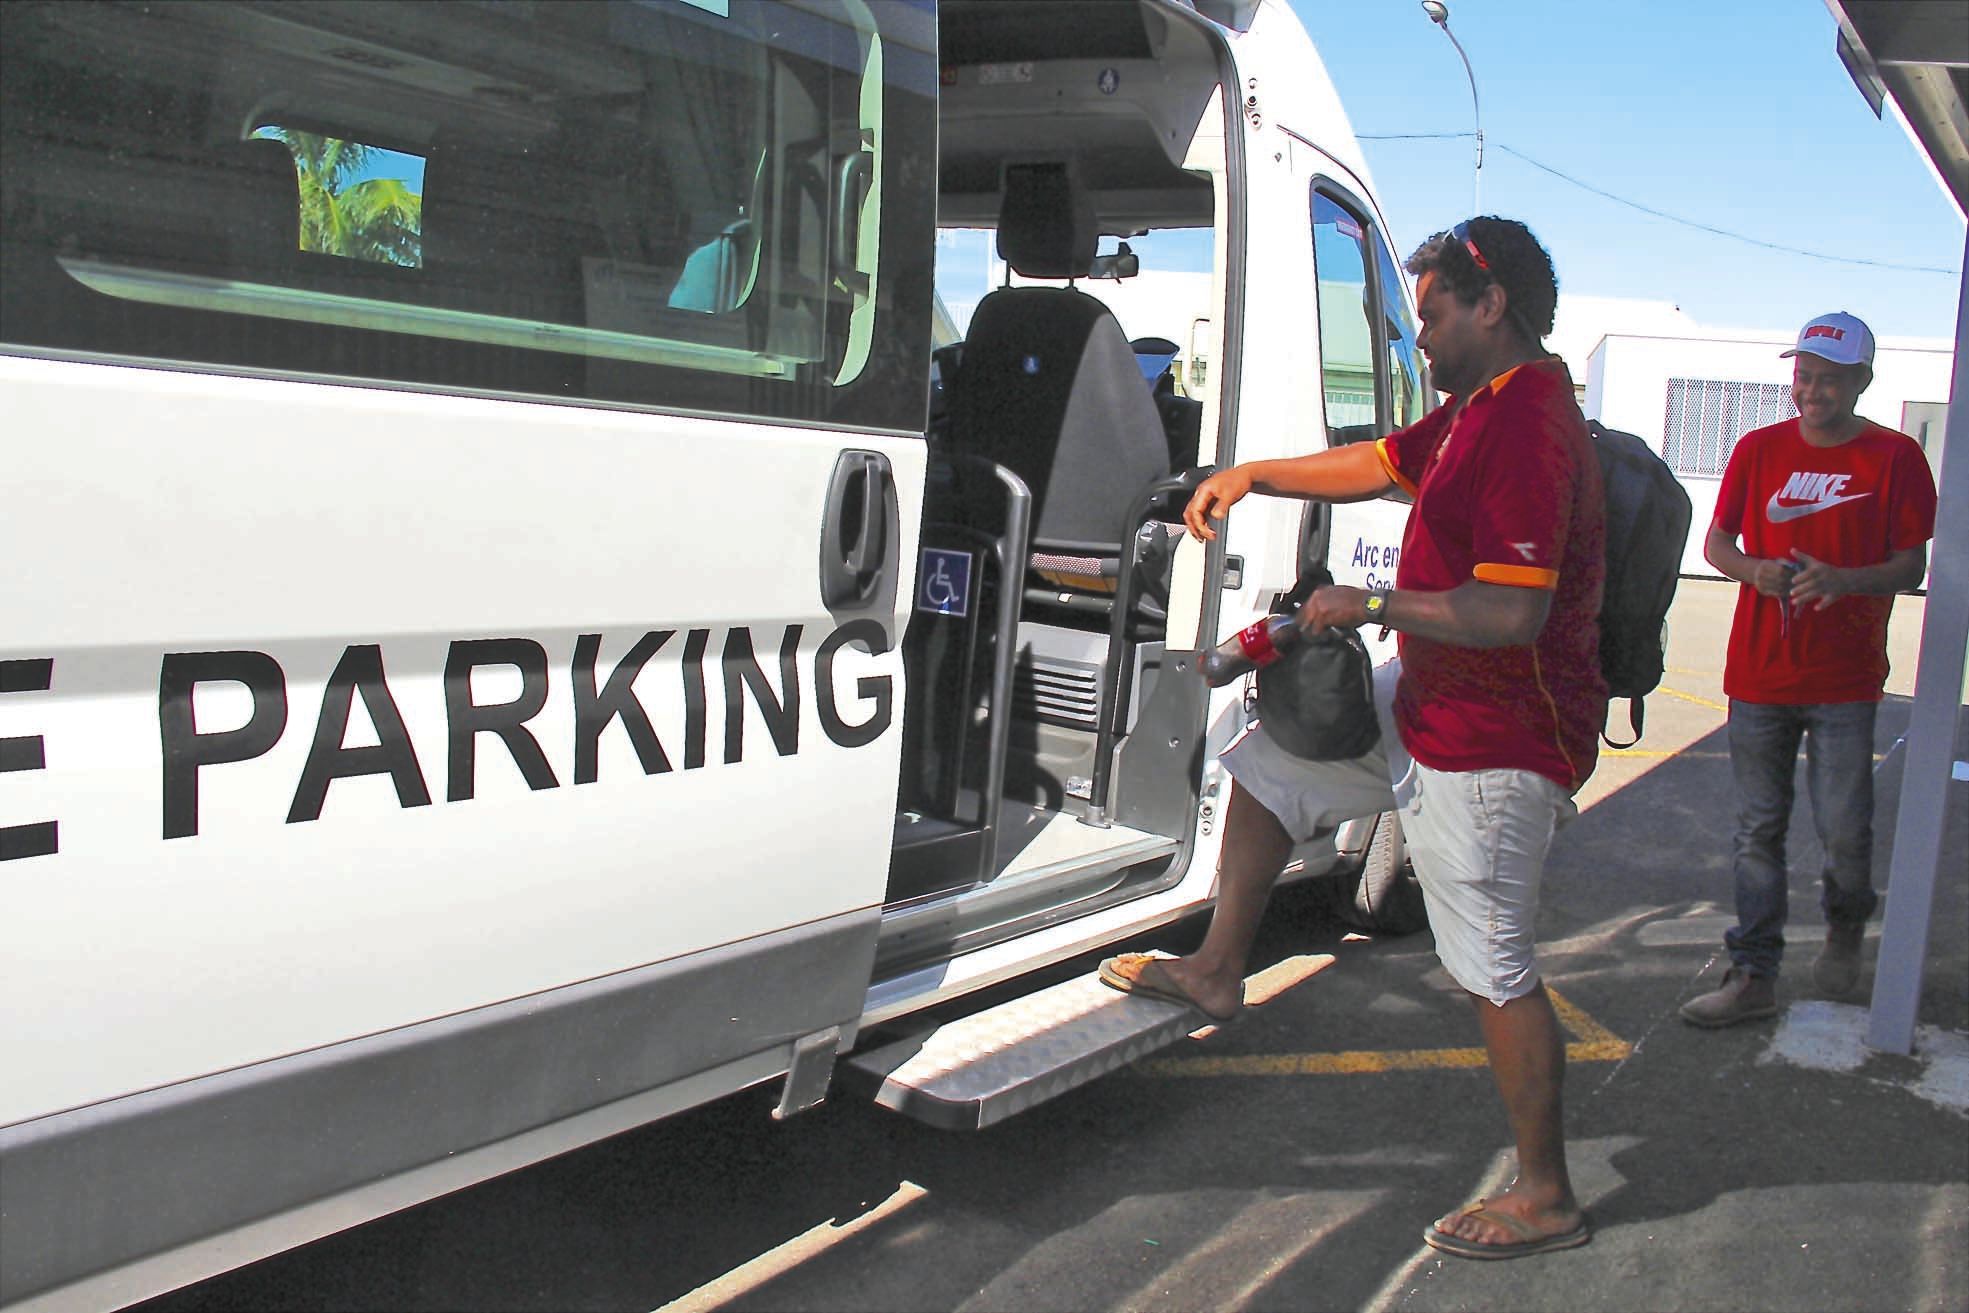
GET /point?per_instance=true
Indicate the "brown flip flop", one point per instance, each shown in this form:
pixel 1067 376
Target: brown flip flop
pixel 1145 974
pixel 1529 1239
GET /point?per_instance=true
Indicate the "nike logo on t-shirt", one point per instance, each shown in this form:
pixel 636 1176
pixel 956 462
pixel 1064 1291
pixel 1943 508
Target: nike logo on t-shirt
pixel 1808 494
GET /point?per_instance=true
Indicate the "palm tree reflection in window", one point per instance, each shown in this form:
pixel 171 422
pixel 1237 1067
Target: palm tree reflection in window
pixel 358 201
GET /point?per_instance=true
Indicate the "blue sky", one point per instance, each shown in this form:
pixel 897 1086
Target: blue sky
pixel 386 163
pixel 381 162
pixel 1732 113
pixel 1736 114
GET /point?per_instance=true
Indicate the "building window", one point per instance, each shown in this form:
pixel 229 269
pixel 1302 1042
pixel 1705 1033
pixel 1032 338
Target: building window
pixel 1706 416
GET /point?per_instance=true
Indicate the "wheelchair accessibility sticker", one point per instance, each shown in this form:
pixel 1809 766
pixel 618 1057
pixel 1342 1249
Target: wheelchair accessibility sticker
pixel 943 582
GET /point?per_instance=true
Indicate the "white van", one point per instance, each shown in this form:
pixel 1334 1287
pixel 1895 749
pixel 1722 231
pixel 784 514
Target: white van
pixel 497 645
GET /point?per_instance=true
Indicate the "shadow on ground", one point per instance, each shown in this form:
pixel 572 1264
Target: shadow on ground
pixel 1718 1179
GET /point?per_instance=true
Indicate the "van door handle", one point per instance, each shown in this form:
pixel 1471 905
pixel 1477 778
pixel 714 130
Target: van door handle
pixel 858 528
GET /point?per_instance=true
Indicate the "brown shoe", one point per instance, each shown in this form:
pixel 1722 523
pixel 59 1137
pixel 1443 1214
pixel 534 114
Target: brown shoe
pixel 1837 972
pixel 1743 997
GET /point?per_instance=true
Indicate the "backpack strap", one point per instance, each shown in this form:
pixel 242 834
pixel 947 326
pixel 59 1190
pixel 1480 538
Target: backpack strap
pixel 1637 715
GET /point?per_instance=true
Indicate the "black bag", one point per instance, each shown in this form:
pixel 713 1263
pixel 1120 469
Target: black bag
pixel 1648 517
pixel 1317 701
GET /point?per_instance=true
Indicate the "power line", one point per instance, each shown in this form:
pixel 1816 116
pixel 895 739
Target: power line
pixel 1663 214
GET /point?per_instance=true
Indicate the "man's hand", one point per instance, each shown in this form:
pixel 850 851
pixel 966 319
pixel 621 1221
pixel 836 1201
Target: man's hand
pixel 1772 578
pixel 1815 581
pixel 1213 499
pixel 1334 607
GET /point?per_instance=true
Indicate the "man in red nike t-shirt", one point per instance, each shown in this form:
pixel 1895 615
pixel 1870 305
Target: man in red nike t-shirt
pixel 1834 514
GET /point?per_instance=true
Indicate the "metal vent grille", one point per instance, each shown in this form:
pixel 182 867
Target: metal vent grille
pixel 1057 691
pixel 1706 416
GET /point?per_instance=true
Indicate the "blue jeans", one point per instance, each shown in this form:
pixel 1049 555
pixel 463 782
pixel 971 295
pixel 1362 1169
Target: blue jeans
pixel 1764 741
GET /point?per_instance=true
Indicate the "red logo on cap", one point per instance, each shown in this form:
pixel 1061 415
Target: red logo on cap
pixel 1825 330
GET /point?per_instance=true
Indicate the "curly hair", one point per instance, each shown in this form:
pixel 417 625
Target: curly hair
pixel 1518 265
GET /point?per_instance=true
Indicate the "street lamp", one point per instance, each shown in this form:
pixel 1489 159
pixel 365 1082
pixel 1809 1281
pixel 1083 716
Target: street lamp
pixel 1439 15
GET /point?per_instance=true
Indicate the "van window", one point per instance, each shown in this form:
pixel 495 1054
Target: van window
pixel 1347 335
pixel 1406 404
pixel 705 207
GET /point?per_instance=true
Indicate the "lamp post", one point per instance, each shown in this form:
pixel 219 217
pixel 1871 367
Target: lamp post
pixel 1439 15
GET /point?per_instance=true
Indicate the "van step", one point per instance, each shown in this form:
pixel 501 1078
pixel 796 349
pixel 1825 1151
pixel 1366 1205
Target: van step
pixel 981 1069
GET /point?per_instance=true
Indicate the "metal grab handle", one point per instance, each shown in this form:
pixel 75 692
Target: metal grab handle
pixel 1114 708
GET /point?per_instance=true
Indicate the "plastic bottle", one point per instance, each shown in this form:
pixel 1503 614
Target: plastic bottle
pixel 1249 648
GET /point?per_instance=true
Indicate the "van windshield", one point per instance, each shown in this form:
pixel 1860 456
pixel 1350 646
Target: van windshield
pixel 1168 298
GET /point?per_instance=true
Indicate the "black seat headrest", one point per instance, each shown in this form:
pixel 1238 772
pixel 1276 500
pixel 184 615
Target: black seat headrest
pixel 1045 223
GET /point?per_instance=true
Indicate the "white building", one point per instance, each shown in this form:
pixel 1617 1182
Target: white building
pixel 1691 391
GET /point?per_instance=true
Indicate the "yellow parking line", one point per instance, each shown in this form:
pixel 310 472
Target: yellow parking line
pixel 1584 1029
pixel 1690 697
pixel 747 1277
pixel 1591 1042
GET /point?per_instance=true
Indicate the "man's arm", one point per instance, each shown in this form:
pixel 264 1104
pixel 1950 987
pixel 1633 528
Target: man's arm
pixel 1766 576
pixel 1825 584
pixel 1473 614
pixel 1340 474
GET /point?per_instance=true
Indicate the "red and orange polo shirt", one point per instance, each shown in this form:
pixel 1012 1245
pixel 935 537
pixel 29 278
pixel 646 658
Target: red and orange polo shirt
pixel 1507 491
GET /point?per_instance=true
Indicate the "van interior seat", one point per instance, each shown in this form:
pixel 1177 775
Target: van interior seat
pixel 1182 417
pixel 1050 388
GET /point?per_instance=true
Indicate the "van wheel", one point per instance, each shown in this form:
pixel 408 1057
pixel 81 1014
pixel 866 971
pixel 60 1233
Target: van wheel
pixel 1388 897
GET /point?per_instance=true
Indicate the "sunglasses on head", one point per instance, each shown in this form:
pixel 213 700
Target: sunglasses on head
pixel 1461 233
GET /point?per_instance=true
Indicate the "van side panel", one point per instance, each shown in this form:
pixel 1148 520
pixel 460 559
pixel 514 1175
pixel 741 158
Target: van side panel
pixel 92 1189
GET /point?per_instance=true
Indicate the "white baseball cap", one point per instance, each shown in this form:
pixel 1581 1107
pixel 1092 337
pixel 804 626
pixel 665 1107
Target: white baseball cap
pixel 1838 337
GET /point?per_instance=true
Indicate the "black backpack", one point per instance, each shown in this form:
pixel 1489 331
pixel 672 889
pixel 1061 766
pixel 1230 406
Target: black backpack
pixel 1647 529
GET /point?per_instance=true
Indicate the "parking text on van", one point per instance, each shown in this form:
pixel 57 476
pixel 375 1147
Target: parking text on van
pixel 600 698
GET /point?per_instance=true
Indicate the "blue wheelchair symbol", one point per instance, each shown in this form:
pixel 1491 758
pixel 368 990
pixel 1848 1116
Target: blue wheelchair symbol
pixel 943 582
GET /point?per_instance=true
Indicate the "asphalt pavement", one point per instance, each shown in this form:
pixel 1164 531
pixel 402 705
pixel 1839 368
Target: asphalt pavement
pixel 1291 1161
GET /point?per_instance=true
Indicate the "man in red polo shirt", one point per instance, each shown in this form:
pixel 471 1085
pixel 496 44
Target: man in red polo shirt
pixel 1834 514
pixel 1489 719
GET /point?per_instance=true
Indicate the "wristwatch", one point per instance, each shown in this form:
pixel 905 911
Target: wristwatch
pixel 1376 606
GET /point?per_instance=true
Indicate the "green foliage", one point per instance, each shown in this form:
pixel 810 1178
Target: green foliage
pixel 382 220
pixel 379 220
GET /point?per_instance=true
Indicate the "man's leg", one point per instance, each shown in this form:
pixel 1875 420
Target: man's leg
pixel 1839 776
pixel 1274 797
pixel 1763 758
pixel 1480 841
pixel 1528 1059
pixel 1256 847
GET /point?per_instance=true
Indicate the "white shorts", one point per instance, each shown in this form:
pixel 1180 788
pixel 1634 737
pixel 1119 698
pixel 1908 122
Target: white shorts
pixel 1479 838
